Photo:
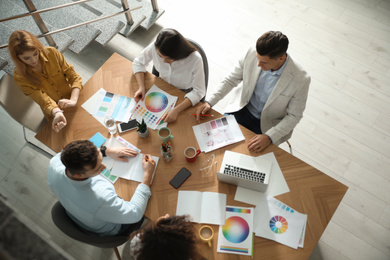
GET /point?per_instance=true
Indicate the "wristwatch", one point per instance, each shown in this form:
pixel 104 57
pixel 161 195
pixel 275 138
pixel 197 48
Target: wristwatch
pixel 103 149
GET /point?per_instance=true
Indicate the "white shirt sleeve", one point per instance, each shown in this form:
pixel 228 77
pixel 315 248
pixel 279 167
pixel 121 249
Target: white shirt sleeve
pixel 144 58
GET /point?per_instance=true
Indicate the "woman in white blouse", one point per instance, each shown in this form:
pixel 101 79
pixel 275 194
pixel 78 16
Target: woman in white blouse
pixel 179 63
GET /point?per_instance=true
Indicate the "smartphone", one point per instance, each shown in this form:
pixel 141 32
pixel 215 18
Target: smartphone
pixel 123 127
pixel 180 177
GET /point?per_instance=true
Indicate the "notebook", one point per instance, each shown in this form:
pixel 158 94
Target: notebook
pixel 245 171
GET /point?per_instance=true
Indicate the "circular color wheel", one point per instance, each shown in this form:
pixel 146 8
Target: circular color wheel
pixel 235 230
pixel 156 102
pixel 278 224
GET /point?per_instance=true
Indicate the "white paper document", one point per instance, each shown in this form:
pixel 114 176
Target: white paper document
pixel 236 236
pixel 131 170
pixel 217 133
pixel 277 183
pixel 276 221
pixel 104 103
pixel 203 207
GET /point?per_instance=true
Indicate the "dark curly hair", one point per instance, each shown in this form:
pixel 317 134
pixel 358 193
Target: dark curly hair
pixel 79 154
pixel 273 44
pixel 171 43
pixel 172 238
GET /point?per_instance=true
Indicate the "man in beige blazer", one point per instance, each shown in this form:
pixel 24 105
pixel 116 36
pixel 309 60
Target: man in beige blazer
pixel 273 92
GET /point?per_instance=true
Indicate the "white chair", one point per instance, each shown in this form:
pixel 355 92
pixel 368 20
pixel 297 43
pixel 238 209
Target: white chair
pixel 21 108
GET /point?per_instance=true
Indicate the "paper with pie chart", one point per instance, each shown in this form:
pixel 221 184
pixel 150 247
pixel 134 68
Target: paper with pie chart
pixel 276 221
pixel 155 105
pixel 236 236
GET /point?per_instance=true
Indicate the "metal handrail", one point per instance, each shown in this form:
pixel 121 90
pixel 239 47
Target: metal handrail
pixel 80 24
pixel 43 10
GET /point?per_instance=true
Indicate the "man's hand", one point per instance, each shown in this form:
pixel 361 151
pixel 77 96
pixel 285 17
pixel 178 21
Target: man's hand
pixel 59 122
pixel 120 153
pixel 148 165
pixel 171 116
pixel 201 110
pixel 139 94
pixel 65 103
pixel 258 143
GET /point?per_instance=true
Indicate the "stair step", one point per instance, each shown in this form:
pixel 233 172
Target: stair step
pixel 113 6
pixel 3 63
pixel 27 23
pixel 62 18
pixel 108 27
pixel 147 10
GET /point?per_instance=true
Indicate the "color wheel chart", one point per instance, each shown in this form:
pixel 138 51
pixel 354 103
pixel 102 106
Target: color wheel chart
pixel 236 236
pixel 279 222
pixel 155 105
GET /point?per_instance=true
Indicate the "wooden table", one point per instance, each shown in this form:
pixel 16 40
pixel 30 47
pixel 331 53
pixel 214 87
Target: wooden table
pixel 311 191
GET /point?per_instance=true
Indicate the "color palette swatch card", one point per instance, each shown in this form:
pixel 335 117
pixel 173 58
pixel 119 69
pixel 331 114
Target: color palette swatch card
pixel 155 105
pixel 276 221
pixel 236 236
pixel 217 133
pixel 104 103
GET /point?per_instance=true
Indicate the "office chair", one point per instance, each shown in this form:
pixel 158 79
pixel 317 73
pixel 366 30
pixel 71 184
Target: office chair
pixel 205 64
pixel 69 228
pixel 22 109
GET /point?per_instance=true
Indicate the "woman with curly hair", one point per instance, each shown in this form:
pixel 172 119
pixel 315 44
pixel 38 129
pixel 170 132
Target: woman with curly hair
pixel 43 75
pixel 170 237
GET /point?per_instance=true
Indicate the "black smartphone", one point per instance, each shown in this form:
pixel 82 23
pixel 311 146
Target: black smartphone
pixel 180 177
pixel 123 127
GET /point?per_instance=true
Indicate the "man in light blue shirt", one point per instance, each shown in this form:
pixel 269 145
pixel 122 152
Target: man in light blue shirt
pixel 89 199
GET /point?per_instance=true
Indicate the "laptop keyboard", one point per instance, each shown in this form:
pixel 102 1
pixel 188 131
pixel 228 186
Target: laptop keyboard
pixel 244 173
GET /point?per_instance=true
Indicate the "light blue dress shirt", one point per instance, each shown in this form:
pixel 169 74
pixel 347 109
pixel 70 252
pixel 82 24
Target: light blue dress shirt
pixel 264 87
pixel 93 203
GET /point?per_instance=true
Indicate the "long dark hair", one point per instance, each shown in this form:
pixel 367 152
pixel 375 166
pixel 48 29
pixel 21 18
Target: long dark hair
pixel 171 43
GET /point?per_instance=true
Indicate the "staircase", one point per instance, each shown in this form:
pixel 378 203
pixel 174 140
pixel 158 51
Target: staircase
pixel 75 12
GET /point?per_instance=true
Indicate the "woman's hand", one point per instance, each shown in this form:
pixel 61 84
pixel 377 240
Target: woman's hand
pixel 59 121
pixel 171 116
pixel 64 103
pixel 139 95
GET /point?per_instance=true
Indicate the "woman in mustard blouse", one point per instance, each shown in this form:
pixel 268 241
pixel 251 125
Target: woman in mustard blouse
pixel 43 74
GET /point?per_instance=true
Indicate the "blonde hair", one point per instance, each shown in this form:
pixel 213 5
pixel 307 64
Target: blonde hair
pixel 19 42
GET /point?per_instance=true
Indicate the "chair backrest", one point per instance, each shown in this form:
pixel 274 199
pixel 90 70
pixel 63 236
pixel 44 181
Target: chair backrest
pixel 68 227
pixel 20 107
pixel 205 64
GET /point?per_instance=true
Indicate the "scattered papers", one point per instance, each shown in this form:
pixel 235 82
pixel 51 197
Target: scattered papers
pixel 104 103
pixel 236 236
pixel 203 207
pixel 155 105
pixel 217 133
pixel 131 170
pixel 276 221
pixel 277 184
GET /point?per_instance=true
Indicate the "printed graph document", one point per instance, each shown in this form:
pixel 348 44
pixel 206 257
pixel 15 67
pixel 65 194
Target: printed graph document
pixel 104 103
pixel 203 207
pixel 218 133
pixel 277 184
pixel 277 221
pixel 131 170
pixel 155 105
pixel 236 236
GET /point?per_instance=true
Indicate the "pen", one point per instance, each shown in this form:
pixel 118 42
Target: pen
pixel 200 115
pixel 149 160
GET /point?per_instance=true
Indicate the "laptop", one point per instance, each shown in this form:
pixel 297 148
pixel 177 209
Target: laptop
pixel 245 171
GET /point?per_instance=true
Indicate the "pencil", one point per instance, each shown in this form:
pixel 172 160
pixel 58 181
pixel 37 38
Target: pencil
pixel 200 115
pixel 149 160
